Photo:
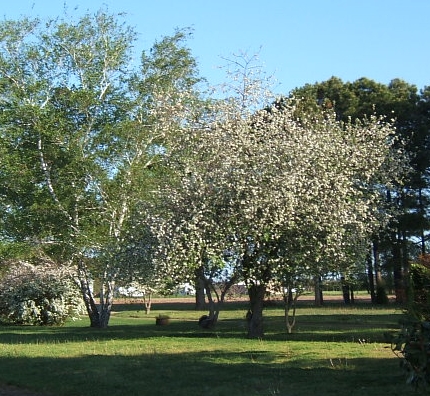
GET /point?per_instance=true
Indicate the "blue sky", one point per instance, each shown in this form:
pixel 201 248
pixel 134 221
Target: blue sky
pixel 298 41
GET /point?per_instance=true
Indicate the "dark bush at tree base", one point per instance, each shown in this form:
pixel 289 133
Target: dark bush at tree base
pixel 381 295
pixel 412 343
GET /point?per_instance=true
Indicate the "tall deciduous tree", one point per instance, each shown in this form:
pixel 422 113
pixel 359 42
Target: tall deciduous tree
pixel 81 135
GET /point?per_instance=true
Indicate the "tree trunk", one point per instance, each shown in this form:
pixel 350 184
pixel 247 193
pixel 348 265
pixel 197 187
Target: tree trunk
pixel 104 316
pixel 90 303
pixel 421 207
pixel 147 302
pixel 106 302
pixel 405 266
pixel 345 290
pixel 399 289
pixel 255 314
pixel 219 291
pixel 378 275
pixel 209 321
pixel 318 292
pixel 200 290
pixel 370 276
pixel 99 315
pixel 290 302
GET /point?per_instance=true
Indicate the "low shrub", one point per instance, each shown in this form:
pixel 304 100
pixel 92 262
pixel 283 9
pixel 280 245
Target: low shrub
pixel 412 344
pixel 38 295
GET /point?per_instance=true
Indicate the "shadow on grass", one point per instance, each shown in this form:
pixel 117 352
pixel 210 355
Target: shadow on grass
pixel 333 323
pixel 330 328
pixel 145 368
pixel 214 373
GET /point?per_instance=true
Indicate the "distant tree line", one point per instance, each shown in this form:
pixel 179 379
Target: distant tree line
pixel 407 237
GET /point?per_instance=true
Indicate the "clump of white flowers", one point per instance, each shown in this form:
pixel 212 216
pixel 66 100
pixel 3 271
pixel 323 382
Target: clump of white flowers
pixel 39 295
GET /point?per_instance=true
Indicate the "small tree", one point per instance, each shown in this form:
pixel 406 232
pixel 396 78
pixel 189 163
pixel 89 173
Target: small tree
pixel 419 289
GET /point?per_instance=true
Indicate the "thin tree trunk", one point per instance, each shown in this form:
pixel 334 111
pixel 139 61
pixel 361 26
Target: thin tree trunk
pixel 255 314
pixel 290 302
pixel 106 302
pixel 210 320
pixel 422 211
pixel 397 270
pixel 90 304
pixel 86 286
pixel 200 290
pixel 147 301
pixel 99 314
pixel 319 300
pixel 370 275
pixel 377 265
pixel 405 266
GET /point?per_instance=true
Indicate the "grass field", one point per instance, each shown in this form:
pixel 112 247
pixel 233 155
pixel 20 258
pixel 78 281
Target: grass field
pixel 335 350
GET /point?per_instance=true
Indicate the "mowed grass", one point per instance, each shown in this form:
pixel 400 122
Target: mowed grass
pixel 334 350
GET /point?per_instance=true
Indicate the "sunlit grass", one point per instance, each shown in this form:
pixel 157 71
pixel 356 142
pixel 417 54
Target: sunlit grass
pixel 334 349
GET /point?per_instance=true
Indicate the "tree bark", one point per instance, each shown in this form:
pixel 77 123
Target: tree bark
pixel 290 302
pixel 345 291
pixel 147 302
pixel 210 320
pixel 99 314
pixel 90 303
pixel 106 302
pixel 319 300
pixel 200 290
pixel 399 289
pixel 370 275
pixel 255 314
pixel 421 207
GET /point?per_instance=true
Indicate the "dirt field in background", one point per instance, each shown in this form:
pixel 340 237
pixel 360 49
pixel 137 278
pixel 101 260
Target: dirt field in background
pixel 360 297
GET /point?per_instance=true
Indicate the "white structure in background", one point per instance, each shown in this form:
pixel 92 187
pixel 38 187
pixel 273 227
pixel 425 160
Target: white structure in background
pixel 132 290
pixel 186 289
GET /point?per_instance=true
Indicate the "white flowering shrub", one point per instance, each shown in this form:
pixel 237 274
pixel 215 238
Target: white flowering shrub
pixel 38 295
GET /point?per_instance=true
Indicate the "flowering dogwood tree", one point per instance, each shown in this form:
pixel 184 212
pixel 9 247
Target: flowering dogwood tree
pixel 272 193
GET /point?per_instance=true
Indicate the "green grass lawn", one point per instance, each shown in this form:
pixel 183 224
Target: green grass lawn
pixel 335 350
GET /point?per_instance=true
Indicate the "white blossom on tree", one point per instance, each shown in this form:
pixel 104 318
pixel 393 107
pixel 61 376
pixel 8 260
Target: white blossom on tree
pixel 272 191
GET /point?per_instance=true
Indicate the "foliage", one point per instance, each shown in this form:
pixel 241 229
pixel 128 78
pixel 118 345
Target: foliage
pixel 419 306
pixel 419 289
pixel 277 193
pixel 412 344
pixel 80 140
pixel 409 110
pixel 413 341
pixel 39 295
